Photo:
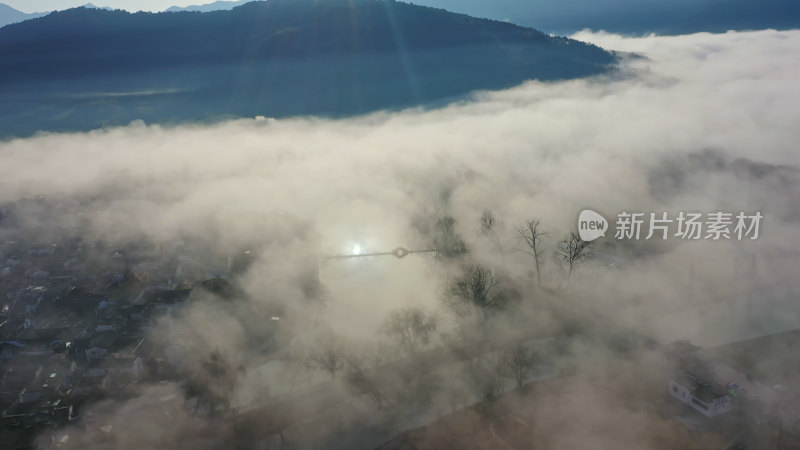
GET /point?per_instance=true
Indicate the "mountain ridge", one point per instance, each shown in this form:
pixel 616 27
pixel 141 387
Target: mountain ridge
pixel 253 31
pixel 9 15
pixel 208 7
pixel 633 16
pixel 82 68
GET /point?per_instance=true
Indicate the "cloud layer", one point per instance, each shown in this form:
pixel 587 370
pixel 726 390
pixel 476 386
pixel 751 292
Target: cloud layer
pixel 543 150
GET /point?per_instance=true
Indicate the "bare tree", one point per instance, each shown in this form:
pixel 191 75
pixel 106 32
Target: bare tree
pixel 360 381
pixel 380 352
pixel 446 239
pixel 329 354
pixel 475 288
pixel 297 362
pixel 489 229
pixel 455 393
pixel 216 381
pixel 488 221
pixel 411 327
pixel 532 235
pixel 573 250
pixel 484 377
pixel 519 362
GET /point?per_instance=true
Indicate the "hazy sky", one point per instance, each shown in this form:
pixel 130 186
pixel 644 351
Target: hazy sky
pixel 131 5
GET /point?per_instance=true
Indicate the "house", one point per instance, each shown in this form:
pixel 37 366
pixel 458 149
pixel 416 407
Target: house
pixel 117 366
pixel 156 295
pixel 9 349
pixel 705 397
pixel 26 397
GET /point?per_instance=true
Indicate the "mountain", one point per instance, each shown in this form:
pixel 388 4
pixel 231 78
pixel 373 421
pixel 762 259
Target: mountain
pixel 208 7
pixel 91 6
pixel 10 15
pixel 722 15
pixel 83 68
pixel 633 16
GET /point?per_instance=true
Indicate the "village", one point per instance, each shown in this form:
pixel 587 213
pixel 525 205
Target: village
pixel 77 321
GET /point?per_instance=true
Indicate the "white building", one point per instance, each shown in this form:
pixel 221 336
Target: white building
pixel 701 395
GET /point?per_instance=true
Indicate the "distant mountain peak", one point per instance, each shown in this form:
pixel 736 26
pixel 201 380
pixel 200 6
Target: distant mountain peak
pixel 9 15
pixel 92 6
pixel 222 5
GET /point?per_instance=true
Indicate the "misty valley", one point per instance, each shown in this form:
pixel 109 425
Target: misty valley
pixel 370 224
